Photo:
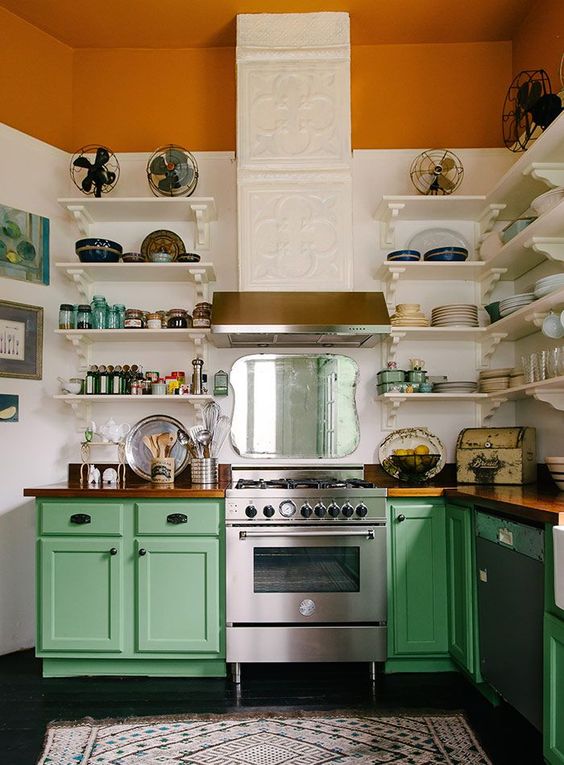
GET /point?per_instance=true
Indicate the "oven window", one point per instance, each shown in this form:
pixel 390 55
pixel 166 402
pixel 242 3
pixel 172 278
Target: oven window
pixel 307 569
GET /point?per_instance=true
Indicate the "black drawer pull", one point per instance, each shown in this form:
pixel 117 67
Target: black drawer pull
pixel 401 518
pixel 80 518
pixel 177 518
pixel 113 551
pixel 142 552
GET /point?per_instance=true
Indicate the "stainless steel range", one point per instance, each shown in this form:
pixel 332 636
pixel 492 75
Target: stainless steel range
pixel 306 566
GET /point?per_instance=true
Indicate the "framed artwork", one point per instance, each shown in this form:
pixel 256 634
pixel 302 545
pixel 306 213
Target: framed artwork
pixel 9 408
pixel 24 246
pixel 21 340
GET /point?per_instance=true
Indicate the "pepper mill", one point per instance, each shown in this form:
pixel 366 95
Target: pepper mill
pixel 197 383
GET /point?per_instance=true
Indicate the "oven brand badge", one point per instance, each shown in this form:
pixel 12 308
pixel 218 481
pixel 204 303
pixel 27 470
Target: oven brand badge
pixel 307 607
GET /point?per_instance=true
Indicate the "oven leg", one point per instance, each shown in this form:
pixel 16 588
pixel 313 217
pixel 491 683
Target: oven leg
pixel 236 672
pixel 372 668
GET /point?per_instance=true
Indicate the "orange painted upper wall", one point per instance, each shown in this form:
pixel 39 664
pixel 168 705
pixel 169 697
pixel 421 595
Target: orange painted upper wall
pixel 539 41
pixel 409 96
pixel 36 77
pixel 136 100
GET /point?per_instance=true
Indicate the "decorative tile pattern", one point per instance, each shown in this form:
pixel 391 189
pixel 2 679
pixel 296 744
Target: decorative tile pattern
pixel 308 740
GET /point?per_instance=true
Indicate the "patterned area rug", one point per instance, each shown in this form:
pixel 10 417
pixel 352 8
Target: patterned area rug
pixel 265 739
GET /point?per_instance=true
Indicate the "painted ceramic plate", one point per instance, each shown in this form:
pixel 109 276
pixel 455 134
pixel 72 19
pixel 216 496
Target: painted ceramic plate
pixel 409 438
pixel 138 456
pixel 162 240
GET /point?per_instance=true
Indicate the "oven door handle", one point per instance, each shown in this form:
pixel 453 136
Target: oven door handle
pixel 366 533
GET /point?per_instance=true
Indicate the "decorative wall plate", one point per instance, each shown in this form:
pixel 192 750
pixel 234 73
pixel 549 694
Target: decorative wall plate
pixel 162 240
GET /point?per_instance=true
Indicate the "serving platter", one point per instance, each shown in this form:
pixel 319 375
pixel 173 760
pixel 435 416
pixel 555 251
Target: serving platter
pixel 138 455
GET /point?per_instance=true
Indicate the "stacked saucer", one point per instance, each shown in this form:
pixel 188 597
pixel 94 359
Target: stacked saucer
pixel 409 315
pixel 493 380
pixel 549 284
pixel 456 386
pixel 516 377
pixel 512 304
pixel 456 315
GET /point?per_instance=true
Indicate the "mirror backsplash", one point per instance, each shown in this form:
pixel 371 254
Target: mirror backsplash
pixel 294 406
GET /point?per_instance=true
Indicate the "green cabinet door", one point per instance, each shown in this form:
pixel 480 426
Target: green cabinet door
pixel 417 577
pixel 460 585
pixel 553 733
pixel 178 595
pixel 80 589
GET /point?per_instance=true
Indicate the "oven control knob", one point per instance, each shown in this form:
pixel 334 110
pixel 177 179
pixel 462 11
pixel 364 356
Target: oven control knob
pixel 250 511
pixel 320 510
pixel 306 510
pixel 361 510
pixel 287 508
pixel 333 510
pixel 269 511
pixel 348 510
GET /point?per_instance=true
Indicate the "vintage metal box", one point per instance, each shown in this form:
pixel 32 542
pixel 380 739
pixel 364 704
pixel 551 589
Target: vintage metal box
pixel 496 455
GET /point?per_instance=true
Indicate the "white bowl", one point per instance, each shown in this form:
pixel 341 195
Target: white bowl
pixel 547 201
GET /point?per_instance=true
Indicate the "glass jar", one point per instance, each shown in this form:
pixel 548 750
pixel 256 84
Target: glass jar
pixel 177 319
pixel 201 315
pixel 84 317
pixel 158 388
pixel 66 316
pixel 154 321
pixel 121 311
pixel 162 316
pixel 113 317
pixel 133 319
pixel 99 312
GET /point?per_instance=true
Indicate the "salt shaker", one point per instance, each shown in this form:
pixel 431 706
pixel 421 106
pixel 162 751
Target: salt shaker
pixel 197 382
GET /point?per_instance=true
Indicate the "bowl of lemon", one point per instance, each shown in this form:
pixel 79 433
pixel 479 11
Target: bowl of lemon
pixel 414 455
pixel 414 465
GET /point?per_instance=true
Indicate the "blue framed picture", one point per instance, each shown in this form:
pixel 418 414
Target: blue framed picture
pixel 24 246
pixel 9 408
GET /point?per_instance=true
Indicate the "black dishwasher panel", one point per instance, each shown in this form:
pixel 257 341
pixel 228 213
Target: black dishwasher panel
pixel 510 611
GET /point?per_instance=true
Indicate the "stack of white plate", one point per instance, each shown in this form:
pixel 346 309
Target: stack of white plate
pixel 456 315
pixel 493 380
pixel 409 315
pixel 456 386
pixel 549 284
pixel 512 304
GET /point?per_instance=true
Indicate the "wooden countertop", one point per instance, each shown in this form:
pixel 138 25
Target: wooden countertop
pixel 147 490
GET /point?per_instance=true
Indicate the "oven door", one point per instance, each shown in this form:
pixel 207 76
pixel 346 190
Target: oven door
pixel 306 574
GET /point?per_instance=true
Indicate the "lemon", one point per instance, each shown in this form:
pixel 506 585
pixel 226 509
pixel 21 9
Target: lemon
pixel 421 449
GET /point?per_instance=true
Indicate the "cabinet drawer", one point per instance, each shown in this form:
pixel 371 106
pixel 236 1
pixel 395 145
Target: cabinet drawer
pixel 81 518
pixel 198 516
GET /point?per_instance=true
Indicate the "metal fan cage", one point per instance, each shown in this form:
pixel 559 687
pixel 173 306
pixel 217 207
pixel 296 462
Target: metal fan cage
pixel 436 172
pixel 184 189
pixel 78 174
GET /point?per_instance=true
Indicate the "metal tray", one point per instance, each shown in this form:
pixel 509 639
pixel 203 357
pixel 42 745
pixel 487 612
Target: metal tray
pixel 138 456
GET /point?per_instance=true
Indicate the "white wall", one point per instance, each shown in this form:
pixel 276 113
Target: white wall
pixel 36 450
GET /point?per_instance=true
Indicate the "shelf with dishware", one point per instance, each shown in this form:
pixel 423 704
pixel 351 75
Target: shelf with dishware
pixel 87 211
pixel 84 275
pixel 528 319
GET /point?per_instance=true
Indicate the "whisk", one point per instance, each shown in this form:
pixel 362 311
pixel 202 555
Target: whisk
pixel 220 432
pixel 210 415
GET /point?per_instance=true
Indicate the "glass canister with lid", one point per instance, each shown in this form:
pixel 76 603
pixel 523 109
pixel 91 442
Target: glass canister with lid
pixel 84 317
pixel 201 315
pixel 66 316
pixel 178 318
pixel 133 318
pixel 99 312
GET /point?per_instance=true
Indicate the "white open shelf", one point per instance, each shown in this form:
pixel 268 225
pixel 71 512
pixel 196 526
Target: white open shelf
pixel 82 339
pixel 88 210
pixel 469 270
pixel 528 319
pixel 438 333
pixel 393 402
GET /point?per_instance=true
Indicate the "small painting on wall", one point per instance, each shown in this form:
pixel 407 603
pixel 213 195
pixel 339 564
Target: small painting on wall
pixel 24 246
pixel 9 408
pixel 21 340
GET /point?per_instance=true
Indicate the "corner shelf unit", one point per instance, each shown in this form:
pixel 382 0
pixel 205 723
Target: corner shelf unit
pixel 87 211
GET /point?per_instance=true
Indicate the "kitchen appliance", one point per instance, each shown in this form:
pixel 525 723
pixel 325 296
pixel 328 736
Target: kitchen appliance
pixel 496 456
pixel 306 562
pixel 298 319
pixel 510 564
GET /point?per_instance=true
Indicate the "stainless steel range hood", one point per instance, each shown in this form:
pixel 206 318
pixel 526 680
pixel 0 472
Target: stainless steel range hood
pixel 298 319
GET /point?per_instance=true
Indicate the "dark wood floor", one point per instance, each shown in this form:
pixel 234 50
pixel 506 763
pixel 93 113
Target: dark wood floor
pixel 28 702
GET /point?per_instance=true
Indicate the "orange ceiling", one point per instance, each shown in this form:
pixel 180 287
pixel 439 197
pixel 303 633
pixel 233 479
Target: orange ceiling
pixel 201 23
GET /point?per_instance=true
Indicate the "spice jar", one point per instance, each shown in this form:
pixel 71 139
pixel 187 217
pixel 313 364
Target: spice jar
pixel 84 317
pixel 133 319
pixel 154 321
pixel 66 316
pixel 177 319
pixel 162 317
pixel 201 315
pixel 158 388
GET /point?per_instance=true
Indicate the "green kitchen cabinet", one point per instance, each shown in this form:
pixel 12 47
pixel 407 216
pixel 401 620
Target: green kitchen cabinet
pixel 461 588
pixel 178 595
pixel 553 733
pixel 417 596
pixel 80 594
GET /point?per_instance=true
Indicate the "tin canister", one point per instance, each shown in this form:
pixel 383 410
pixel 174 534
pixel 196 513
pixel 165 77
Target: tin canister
pixel 162 470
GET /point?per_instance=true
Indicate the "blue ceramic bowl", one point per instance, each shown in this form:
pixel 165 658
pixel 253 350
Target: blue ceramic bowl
pixel 446 251
pixel 446 257
pixel 404 255
pixel 94 250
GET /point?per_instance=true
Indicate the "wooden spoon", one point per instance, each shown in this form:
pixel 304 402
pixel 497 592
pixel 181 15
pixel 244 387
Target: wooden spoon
pixel 149 444
pixel 166 442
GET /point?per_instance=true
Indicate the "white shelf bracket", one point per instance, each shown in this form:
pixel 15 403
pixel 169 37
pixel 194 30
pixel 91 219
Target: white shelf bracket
pixel 392 282
pixel 488 218
pixel 202 238
pixel 488 347
pixel 389 223
pixel 489 281
pixel 555 398
pixel 202 288
pixel 81 281
pixel 551 173
pixel 390 412
pixel 550 246
pixel 489 408
pixel 82 411
pixel 393 345
pixel 81 217
pixel 80 347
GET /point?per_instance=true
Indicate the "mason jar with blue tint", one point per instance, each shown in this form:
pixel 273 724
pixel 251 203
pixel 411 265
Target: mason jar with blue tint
pixel 121 312
pixel 113 317
pixel 99 312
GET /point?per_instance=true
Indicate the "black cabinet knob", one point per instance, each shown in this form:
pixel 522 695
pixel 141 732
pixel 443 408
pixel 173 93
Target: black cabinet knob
pixel 401 518
pixel 142 551
pixel 113 551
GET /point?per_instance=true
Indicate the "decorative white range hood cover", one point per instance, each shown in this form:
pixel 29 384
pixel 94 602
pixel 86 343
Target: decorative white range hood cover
pixel 294 164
